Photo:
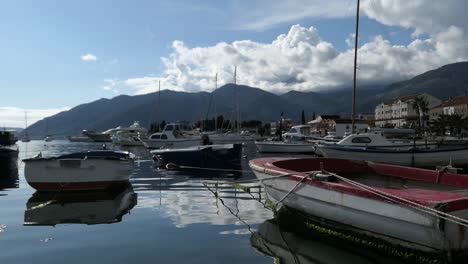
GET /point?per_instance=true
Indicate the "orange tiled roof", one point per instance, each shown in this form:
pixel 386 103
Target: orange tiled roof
pixel 453 101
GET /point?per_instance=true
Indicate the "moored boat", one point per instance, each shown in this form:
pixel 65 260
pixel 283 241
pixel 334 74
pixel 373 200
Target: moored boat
pixel 411 207
pixel 419 157
pixel 210 156
pixel 172 137
pixel 89 170
pixel 285 147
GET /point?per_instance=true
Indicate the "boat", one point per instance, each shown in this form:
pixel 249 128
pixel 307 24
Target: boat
pixel 209 156
pixel 285 146
pixel 172 137
pixel 48 138
pixel 416 208
pixel 90 170
pixel 90 207
pixel 99 136
pixel 8 137
pixel 300 133
pixel 129 136
pixel 377 140
pixel 418 157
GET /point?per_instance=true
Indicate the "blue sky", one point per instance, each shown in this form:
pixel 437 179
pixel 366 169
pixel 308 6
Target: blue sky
pixel 44 41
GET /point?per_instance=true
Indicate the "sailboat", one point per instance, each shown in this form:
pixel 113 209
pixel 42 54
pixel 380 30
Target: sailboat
pixel 236 136
pixel 47 137
pixel 25 136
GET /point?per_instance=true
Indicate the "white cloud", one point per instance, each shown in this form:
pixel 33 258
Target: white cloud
pixel 424 16
pixel 264 14
pixel 302 60
pixel 15 116
pixel 111 85
pixel 88 57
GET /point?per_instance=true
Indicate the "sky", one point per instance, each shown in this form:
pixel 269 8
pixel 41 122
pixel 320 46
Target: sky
pixel 57 54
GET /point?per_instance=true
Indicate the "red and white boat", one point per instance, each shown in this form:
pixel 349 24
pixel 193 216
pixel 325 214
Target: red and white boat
pixel 417 208
pixel 92 170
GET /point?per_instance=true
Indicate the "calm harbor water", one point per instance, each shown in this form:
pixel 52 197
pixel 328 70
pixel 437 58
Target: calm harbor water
pixel 163 217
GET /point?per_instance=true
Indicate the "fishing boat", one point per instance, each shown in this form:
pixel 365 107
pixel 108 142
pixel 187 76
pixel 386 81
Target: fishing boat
pixel 210 156
pixel 91 207
pixel 172 137
pixel 418 157
pixel 416 208
pixel 89 170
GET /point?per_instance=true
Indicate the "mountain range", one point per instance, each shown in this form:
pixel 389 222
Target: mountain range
pixel 254 103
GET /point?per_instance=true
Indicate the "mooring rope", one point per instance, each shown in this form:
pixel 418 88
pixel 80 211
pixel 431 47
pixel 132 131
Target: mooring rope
pixel 403 201
pixel 390 197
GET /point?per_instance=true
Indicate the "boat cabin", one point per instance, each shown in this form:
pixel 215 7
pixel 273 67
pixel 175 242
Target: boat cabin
pixel 298 133
pixel 170 132
pixel 371 139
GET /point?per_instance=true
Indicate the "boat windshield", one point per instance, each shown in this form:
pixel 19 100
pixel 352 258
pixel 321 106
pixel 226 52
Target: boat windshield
pixel 305 131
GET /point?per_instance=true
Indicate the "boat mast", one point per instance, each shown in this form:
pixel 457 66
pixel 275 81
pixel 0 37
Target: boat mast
pixel 26 123
pixel 353 117
pixel 237 99
pixel 214 106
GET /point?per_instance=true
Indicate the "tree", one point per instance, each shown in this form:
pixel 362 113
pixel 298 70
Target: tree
pixel 303 119
pixel 421 106
pixel 313 116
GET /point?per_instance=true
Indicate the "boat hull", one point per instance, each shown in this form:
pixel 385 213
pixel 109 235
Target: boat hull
pixel 182 143
pixel 396 223
pixel 76 174
pixel 211 156
pixel 426 158
pixel 281 147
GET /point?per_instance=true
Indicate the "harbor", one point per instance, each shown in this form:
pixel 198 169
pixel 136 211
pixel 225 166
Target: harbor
pixel 234 132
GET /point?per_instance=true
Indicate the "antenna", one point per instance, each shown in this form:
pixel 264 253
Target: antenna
pixel 355 65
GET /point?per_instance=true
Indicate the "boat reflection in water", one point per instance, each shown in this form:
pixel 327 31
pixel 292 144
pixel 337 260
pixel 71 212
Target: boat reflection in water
pixel 288 247
pixel 84 207
pixel 8 173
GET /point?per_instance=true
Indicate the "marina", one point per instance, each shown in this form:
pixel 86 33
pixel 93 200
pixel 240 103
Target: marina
pixel 281 132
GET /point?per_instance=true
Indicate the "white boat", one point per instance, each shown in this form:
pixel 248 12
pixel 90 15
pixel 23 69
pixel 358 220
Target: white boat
pixel 48 138
pixel 285 147
pixel 171 137
pixel 400 205
pixel 377 140
pixel 233 137
pixel 79 171
pixel 301 132
pixel 91 207
pixel 419 157
pixel 129 136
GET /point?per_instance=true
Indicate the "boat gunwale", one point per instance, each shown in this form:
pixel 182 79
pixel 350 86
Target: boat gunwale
pixel 460 202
